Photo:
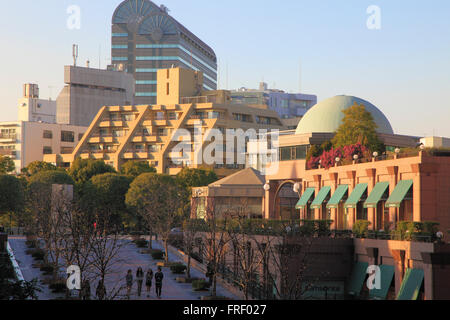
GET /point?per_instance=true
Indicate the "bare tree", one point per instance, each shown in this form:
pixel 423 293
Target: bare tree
pixel 191 232
pixel 247 252
pixel 289 262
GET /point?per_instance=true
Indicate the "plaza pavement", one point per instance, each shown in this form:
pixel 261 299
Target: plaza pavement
pixel 129 257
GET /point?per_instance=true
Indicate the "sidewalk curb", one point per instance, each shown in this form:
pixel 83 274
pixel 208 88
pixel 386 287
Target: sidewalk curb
pixel 17 270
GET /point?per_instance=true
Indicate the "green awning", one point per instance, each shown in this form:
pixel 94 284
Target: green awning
pixel 387 274
pixel 337 196
pixel 376 194
pixel 321 196
pixel 411 284
pixel 356 195
pixel 357 278
pixel 306 196
pixel 399 193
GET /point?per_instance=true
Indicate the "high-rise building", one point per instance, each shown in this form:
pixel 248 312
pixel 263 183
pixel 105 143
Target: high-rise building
pixel 87 90
pixel 146 38
pixel 151 133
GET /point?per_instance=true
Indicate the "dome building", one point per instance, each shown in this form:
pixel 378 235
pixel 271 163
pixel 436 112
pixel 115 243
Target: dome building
pixel 327 116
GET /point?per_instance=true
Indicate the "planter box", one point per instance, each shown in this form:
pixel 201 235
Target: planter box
pixel 186 280
pixel 163 264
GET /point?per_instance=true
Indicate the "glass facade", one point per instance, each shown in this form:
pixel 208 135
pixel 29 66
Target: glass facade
pixel 293 153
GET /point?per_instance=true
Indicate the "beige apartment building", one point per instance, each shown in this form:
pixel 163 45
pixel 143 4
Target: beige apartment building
pixel 150 132
pixel 26 141
pixel 36 133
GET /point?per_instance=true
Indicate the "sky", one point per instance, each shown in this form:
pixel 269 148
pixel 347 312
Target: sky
pixel 403 67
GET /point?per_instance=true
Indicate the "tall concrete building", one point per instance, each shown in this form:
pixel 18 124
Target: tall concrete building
pixel 146 38
pixel 152 133
pixel 87 90
pixel 288 105
pixel 36 133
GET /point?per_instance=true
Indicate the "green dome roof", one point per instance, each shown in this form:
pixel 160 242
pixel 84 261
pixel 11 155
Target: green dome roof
pixel 327 116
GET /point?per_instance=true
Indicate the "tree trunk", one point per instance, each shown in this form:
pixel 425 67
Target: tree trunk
pixel 214 288
pixel 150 241
pixel 166 257
pixel 188 269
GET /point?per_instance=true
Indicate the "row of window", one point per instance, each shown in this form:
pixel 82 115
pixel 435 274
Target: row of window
pixel 63 150
pixel 168 58
pixel 176 46
pixel 66 136
pixel 293 153
pixel 242 117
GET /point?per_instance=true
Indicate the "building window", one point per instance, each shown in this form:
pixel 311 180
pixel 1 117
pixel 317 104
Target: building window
pixel 47 150
pixel 163 132
pixel 160 116
pixel 48 134
pixel 168 88
pixel 145 94
pixel 66 150
pixel 67 136
pixel 168 73
pixel 293 153
pixel 80 136
pixel 139 147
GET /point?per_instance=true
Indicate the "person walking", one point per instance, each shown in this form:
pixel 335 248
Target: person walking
pixel 86 290
pixel 139 280
pixel 129 280
pixel 158 282
pixel 100 292
pixel 148 281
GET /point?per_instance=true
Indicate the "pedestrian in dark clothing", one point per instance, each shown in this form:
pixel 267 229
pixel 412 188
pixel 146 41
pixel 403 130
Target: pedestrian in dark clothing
pixel 86 290
pixel 129 280
pixel 158 282
pixel 148 281
pixel 101 290
pixel 139 280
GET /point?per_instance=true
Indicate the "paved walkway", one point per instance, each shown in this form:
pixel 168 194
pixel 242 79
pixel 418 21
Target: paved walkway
pixel 129 258
pixel 25 262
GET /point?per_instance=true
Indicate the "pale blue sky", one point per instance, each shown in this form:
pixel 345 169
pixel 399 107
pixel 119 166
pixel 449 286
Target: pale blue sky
pixel 404 68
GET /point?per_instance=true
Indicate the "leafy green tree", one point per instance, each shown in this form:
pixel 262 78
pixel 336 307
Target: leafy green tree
pixel 82 170
pixel 105 196
pixel 358 126
pixel 51 177
pixel 38 166
pixel 136 168
pixel 189 178
pixel 157 198
pixel 11 194
pixel 6 165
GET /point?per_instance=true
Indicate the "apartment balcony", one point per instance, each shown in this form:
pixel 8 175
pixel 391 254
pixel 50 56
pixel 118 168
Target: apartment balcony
pixel 135 154
pixel 159 122
pixel 8 137
pixel 145 138
pixel 8 153
pixel 97 138
pixel 112 123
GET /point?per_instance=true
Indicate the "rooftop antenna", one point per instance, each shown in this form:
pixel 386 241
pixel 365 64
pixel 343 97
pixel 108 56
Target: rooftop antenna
pixel 75 54
pixel 227 77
